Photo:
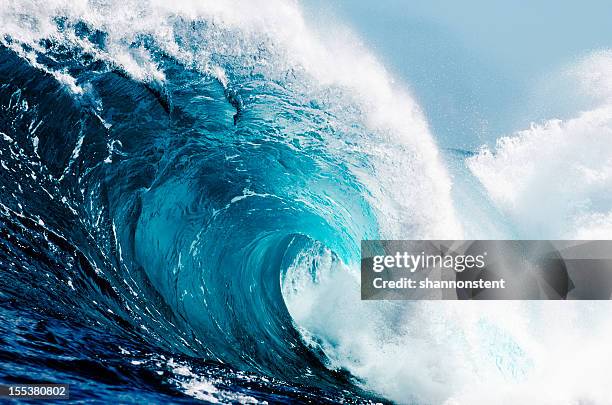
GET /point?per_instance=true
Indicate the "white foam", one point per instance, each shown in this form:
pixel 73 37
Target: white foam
pixel 550 181
pixel 553 179
pixel 455 352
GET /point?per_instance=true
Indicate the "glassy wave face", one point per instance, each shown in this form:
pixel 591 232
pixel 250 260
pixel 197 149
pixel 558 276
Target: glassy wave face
pixel 174 179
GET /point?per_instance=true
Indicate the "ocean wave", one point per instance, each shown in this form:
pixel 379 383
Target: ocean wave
pixel 186 186
pixel 180 162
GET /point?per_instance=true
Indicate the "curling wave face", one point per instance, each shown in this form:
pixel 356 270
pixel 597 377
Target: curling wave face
pixel 179 164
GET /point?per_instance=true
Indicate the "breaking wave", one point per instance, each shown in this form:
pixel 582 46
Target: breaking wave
pixel 184 190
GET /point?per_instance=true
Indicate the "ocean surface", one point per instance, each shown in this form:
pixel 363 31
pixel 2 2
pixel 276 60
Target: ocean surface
pixel 183 191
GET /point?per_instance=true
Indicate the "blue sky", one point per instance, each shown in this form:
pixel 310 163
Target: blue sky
pixel 480 69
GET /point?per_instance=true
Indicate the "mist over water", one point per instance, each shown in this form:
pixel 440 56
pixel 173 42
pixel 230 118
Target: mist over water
pixel 188 184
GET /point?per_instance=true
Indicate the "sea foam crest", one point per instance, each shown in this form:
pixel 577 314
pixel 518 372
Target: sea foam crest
pixel 553 179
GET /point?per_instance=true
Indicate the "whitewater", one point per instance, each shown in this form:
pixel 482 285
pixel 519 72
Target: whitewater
pixel 185 186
